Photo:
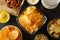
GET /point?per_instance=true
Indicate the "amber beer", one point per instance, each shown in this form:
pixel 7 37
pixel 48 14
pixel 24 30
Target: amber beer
pixel 48 5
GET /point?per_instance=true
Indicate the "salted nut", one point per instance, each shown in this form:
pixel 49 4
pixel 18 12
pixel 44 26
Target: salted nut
pixel 13 3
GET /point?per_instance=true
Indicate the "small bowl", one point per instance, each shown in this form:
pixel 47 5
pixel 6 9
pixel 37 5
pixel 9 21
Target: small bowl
pixel 20 33
pixel 32 2
pixel 40 37
pixel 45 19
pixel 51 22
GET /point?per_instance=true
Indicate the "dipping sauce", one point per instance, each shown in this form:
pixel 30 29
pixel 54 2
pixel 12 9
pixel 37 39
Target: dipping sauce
pixel 4 16
pixel 31 19
pixel 32 2
pixel 10 32
pixel 50 4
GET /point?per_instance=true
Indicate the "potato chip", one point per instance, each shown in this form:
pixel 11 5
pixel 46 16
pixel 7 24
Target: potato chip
pixel 13 34
pixel 56 35
pixel 4 32
pixel 58 21
pixel 51 27
pixel 57 29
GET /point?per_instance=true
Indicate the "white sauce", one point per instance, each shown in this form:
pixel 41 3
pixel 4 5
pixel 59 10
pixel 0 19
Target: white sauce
pixel 50 4
pixel 32 2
